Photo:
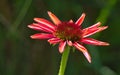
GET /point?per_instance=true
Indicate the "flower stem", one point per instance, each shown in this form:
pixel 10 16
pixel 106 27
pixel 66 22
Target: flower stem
pixel 64 60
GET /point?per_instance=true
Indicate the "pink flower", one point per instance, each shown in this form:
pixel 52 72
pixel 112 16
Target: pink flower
pixel 69 32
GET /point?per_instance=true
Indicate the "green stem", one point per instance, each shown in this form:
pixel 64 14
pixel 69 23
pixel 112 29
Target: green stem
pixel 105 13
pixel 64 60
pixel 20 16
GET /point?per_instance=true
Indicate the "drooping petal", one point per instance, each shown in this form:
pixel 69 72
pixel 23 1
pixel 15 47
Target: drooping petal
pixel 87 55
pixel 80 20
pixel 54 40
pixel 62 46
pixel 42 36
pixel 54 18
pixel 45 22
pixel 69 43
pixel 94 42
pixel 92 31
pixel 40 27
pixel 83 50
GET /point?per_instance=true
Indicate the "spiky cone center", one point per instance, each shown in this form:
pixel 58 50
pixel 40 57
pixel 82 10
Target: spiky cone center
pixel 68 31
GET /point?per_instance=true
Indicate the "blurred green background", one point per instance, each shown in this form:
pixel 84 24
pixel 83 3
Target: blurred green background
pixel 20 55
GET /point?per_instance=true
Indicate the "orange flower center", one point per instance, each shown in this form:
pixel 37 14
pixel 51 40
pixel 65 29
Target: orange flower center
pixel 68 31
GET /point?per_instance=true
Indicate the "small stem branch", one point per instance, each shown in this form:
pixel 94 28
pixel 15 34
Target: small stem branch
pixel 64 60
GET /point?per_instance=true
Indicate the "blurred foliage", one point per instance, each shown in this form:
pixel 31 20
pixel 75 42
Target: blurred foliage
pixel 20 55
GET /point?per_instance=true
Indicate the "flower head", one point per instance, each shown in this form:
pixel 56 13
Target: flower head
pixel 68 32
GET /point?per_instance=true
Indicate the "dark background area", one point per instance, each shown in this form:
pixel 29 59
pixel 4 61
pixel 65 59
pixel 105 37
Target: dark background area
pixel 20 55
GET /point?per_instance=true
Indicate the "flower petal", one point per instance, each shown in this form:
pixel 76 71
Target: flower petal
pixel 71 21
pixel 42 36
pixel 80 20
pixel 87 55
pixel 40 27
pixel 92 31
pixel 54 40
pixel 62 46
pixel 54 18
pixel 69 43
pixel 35 27
pixel 94 42
pixel 45 22
pixel 93 26
pixel 84 51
